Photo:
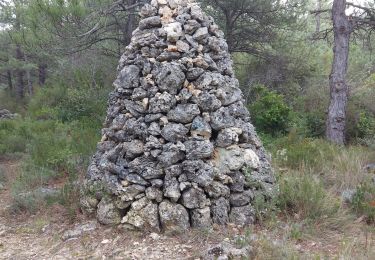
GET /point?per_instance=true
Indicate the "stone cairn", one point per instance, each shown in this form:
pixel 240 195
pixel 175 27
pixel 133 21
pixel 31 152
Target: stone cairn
pixel 6 114
pixel 178 149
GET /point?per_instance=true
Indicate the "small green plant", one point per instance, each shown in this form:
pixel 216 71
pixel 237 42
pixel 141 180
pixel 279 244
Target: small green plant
pixel 269 112
pixel 305 196
pixel 3 176
pixel 363 202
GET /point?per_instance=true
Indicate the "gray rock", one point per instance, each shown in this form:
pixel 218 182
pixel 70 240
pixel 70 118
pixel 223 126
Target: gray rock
pixel 107 213
pixel 217 189
pixel 348 195
pixel 242 215
pixel 173 217
pixel 184 96
pixel 201 34
pixel 220 211
pixel 143 215
pixel 150 22
pixel 198 172
pixel 197 149
pixel 200 128
pixel 182 46
pixel 130 192
pixel 152 117
pixel 238 110
pixel 128 77
pixel 225 250
pixel 172 153
pixel 208 102
pixel 228 137
pixel 88 203
pixel 161 103
pixel 197 13
pixel 221 119
pixel 191 26
pixel 136 179
pixel 229 93
pixel 194 73
pixel 201 218
pixel 6 114
pixel 174 170
pixel 238 182
pixel 241 199
pixel 174 31
pixel 184 113
pixel 234 159
pixel 79 230
pixel 194 198
pixel 174 132
pixel 139 94
pixel 154 129
pixel 148 10
pixel 157 183
pixel 171 188
pixel 134 149
pixel 370 167
pixel 170 78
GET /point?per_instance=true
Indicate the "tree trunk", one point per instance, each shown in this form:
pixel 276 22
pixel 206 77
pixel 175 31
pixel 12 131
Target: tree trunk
pixel 317 17
pixel 339 90
pixel 28 79
pixel 130 24
pixel 20 84
pixel 10 82
pixel 42 68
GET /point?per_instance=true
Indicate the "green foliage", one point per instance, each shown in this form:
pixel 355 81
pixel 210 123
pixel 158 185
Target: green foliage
pixel 83 100
pixel 269 112
pixel 3 177
pixel 305 196
pixel 294 151
pixel 363 202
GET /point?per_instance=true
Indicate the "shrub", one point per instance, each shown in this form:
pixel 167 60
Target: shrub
pixel 12 138
pixel 315 124
pixel 3 176
pixel 305 196
pixel 269 112
pixel 363 202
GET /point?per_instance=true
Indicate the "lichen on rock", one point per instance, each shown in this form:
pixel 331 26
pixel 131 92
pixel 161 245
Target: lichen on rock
pixel 178 149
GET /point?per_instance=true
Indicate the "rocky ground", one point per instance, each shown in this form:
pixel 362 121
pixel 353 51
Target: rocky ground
pixel 50 234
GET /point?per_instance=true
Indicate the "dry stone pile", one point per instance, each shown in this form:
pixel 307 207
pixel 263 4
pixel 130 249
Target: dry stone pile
pixel 6 114
pixel 178 149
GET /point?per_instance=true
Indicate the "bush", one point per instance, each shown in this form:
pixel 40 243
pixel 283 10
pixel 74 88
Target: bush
pixel 13 138
pixel 363 202
pixel 305 196
pixel 269 112
pixel 3 176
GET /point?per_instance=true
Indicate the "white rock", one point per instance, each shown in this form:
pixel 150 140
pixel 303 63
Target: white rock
pixel 251 159
pixel 174 31
pixel 154 236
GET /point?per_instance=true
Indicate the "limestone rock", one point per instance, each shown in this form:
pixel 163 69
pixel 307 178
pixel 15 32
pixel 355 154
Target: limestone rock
pixel 242 215
pixel 142 215
pixel 201 218
pixel 107 213
pixel 184 113
pixel 173 217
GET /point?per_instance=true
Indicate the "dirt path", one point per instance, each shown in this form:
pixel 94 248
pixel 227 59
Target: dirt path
pixel 40 236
